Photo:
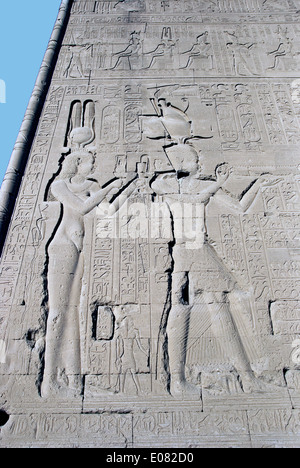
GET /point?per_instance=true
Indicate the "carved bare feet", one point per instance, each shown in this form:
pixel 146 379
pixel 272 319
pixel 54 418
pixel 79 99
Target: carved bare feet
pixel 61 386
pixel 182 388
pixel 252 384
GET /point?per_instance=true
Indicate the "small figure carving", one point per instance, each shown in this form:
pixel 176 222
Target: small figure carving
pixel 78 195
pixel 2 92
pixel 296 352
pixel 163 51
pixel 241 54
pixel 75 67
pixel 285 49
pixel 127 336
pixel 201 50
pixel 126 56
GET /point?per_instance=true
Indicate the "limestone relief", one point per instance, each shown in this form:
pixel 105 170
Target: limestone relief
pixel 150 270
pixel 162 55
pixel 127 335
pixel 201 55
pixel 76 67
pixel 2 92
pixel 171 122
pixel 129 58
pixel 284 52
pixel 198 276
pixel 239 50
pixel 196 262
pixel 78 194
pixel 242 59
pixel 214 6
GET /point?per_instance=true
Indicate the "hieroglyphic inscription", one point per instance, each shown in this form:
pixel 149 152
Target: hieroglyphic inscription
pixel 188 108
pixel 21 225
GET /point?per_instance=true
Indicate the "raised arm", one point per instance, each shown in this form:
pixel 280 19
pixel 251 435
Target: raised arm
pixel 248 198
pixel 119 201
pixel 63 194
pixel 165 184
pixel 205 195
pixel 189 51
pixel 263 181
pixel 244 203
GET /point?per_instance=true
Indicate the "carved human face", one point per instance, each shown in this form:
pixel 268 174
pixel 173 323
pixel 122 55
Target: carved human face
pixel 191 165
pixel 184 159
pixel 86 165
pixel 69 166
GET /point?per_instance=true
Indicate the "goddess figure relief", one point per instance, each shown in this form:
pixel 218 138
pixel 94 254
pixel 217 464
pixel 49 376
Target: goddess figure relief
pixel 78 194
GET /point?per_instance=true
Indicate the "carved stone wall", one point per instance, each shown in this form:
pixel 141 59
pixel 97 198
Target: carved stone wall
pixel 150 278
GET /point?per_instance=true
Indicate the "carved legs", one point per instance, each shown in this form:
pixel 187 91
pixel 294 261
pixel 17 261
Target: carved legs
pixel 62 372
pixel 177 331
pixel 224 329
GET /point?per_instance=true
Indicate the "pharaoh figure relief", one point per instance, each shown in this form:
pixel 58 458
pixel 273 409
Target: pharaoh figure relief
pixel 199 275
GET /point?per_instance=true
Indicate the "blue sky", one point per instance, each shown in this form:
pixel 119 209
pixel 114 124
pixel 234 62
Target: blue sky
pixel 25 29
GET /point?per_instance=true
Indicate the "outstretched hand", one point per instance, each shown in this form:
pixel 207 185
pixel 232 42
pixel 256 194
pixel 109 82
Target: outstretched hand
pixel 223 172
pixel 116 184
pixel 269 180
pixel 113 188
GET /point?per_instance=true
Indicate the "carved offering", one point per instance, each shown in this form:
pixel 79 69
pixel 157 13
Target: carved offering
pixel 150 274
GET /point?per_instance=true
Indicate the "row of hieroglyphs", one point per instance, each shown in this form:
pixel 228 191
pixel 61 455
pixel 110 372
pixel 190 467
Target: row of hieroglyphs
pixel 180 6
pixel 153 424
pixel 241 116
pixel 234 51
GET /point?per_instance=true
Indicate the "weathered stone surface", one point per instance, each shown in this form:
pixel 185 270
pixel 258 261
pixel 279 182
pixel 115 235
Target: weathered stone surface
pixel 150 276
